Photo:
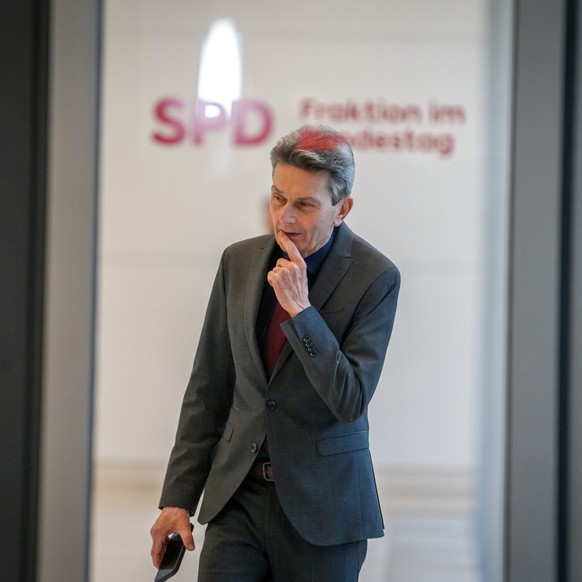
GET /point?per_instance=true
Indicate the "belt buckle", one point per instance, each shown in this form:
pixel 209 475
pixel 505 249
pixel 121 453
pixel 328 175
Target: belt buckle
pixel 266 467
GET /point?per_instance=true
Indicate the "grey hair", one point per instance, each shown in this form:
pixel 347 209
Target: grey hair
pixel 319 148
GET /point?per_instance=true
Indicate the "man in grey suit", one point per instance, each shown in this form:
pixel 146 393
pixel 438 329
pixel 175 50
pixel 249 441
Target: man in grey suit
pixel 274 424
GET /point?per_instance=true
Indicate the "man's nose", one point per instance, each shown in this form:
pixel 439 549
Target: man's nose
pixel 288 214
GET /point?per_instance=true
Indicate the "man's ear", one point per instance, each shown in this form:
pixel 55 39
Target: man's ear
pixel 345 207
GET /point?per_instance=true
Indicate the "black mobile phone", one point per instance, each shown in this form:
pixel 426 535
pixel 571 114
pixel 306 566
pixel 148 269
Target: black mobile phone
pixel 172 557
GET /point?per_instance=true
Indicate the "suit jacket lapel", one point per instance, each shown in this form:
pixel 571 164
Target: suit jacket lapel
pixel 257 271
pixel 335 266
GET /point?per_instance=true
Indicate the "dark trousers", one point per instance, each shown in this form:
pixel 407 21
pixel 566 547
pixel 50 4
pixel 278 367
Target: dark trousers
pixel 251 540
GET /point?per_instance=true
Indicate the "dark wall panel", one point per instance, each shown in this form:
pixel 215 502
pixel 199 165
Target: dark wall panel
pixel 534 339
pixel 23 63
pixel 572 506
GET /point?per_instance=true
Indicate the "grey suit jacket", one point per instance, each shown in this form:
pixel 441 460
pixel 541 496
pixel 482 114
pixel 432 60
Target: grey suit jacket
pixel 314 407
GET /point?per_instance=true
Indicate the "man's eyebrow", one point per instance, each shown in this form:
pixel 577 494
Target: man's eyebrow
pixel 307 198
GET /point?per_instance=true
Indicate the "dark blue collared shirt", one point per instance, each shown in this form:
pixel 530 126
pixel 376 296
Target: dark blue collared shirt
pixel 315 260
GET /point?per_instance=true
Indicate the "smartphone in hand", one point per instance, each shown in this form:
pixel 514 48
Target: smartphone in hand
pixel 172 557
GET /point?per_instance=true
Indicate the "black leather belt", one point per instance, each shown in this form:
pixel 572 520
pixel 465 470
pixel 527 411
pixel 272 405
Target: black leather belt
pixel 263 471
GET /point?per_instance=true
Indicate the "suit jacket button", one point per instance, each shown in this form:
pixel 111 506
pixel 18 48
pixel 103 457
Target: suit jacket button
pixel 254 448
pixel 271 404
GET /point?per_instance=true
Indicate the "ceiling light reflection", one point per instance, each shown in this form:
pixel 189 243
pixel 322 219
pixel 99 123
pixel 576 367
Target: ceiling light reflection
pixel 220 77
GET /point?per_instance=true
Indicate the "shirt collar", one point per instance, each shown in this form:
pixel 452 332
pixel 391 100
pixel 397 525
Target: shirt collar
pixel 315 260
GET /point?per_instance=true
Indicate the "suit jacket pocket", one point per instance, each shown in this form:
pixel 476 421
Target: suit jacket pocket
pixel 344 443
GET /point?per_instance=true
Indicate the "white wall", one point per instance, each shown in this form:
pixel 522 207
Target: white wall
pixel 167 211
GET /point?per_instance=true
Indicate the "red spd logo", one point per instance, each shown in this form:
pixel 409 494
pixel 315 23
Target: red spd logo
pixel 250 121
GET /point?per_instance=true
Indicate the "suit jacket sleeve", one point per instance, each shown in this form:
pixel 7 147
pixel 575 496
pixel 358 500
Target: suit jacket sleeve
pixel 345 376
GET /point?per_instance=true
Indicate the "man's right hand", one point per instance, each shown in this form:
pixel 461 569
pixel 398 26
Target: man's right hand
pixel 172 519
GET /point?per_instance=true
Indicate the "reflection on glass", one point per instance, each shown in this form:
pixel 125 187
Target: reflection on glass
pixel 220 77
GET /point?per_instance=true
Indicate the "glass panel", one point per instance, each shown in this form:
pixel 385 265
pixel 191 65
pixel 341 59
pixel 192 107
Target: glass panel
pixel 194 99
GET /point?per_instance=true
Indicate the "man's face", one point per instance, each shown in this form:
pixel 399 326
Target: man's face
pixel 301 207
